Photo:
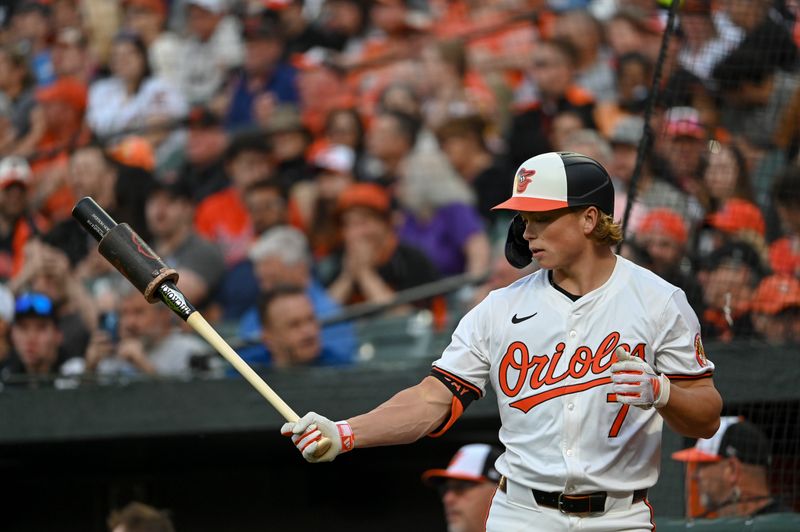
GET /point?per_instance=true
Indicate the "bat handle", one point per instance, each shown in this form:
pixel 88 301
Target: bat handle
pixel 204 329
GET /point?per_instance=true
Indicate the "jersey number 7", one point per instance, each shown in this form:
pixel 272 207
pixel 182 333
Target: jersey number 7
pixel 623 411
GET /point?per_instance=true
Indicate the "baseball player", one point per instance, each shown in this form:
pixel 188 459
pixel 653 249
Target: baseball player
pixel 588 357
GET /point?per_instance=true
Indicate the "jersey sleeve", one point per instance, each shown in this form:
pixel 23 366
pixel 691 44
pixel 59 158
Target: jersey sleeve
pixel 679 352
pixel 464 364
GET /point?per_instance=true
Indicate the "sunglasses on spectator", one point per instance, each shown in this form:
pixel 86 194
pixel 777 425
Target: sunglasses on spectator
pixel 37 304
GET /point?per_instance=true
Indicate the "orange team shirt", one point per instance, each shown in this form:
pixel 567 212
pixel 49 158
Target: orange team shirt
pixel 223 218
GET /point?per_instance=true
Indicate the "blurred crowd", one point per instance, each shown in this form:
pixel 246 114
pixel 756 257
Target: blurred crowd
pixel 291 158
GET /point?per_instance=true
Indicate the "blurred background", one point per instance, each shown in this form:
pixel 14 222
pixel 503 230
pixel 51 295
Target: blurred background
pixel 321 174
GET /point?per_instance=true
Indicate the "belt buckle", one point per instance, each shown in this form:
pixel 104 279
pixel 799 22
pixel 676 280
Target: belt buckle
pixel 560 503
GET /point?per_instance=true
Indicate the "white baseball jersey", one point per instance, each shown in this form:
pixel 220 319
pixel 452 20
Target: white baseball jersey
pixel 548 359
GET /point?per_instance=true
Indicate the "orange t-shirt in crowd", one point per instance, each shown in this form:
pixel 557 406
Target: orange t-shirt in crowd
pixel 223 218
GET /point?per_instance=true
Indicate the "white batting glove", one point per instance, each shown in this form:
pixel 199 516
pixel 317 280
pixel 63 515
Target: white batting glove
pixel 636 383
pixel 311 428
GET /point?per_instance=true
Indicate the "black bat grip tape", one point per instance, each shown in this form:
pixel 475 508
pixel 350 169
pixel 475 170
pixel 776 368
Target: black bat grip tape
pixel 93 218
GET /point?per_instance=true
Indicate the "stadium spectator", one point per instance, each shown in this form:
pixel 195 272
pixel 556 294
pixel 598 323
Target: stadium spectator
pixel 147 342
pixel 132 97
pixel 121 190
pixel 738 219
pixel 170 212
pixel 299 32
pixel 47 270
pixel 71 56
pixel 290 332
pixel 725 177
pixel 450 90
pixel 17 83
pixel 463 142
pixel 764 28
pixel 708 37
pixel 203 170
pixel 683 145
pixel 664 236
pixel 346 24
pixel 390 141
pixel 213 48
pixel 784 253
pixel 776 310
pixel 344 126
pixel 265 80
pixel 6 319
pixel 31 27
pixel 754 93
pixel 147 19
pixel 281 257
pixel 438 217
pixel 37 342
pixel 552 73
pixel 138 517
pixel 467 486
pixel 316 199
pixel 222 217
pixel 729 279
pixel 18 223
pixel 564 125
pixel 371 263
pixel 267 205
pixel 290 140
pixel 593 65
pixel 732 470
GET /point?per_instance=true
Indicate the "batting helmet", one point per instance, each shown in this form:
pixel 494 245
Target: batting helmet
pixel 553 181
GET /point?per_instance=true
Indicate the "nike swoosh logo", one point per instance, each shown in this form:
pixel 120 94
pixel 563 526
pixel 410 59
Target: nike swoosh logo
pixel 515 319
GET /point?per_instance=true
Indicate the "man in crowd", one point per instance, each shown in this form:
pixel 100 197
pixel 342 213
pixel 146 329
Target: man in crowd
pixel 290 331
pixel 467 486
pixel 372 264
pixel 149 342
pixel 170 212
pixel 138 517
pixel 36 341
pixel 281 257
pixel 732 470
pixel 17 224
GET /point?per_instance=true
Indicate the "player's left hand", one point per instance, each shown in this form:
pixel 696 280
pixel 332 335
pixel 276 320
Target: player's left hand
pixel 309 430
pixel 636 383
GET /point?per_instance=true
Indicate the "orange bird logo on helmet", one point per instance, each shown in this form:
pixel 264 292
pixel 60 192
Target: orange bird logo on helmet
pixel 524 178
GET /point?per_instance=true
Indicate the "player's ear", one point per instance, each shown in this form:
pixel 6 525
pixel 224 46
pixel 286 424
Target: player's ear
pixel 589 219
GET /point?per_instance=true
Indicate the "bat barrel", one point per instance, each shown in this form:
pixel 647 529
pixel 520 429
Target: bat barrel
pixel 93 218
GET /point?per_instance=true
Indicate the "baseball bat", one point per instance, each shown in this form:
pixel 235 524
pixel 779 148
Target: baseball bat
pixel 134 259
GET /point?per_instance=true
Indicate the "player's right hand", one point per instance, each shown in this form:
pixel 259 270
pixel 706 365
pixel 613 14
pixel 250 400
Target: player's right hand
pixel 311 428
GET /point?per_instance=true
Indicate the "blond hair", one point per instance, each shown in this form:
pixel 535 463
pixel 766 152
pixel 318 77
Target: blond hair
pixel 607 231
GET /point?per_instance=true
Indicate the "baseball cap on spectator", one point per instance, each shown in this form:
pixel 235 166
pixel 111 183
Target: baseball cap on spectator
pixel 684 122
pixel 34 305
pixel 784 256
pixel 367 195
pixel 262 28
pixel 336 158
pixel 134 151
pixel 665 221
pixel 201 116
pixel 473 462
pixel 14 170
pixel 735 438
pixel 249 140
pixel 214 6
pixel 150 5
pixel 6 304
pixel 738 215
pixel 736 253
pixel 628 130
pixel 174 189
pixel 65 90
pixel 775 294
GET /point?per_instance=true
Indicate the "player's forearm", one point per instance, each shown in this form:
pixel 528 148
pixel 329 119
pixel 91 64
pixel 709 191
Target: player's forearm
pixel 408 416
pixel 693 409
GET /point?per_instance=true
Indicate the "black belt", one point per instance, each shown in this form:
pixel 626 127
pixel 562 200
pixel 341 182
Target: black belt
pixel 575 504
